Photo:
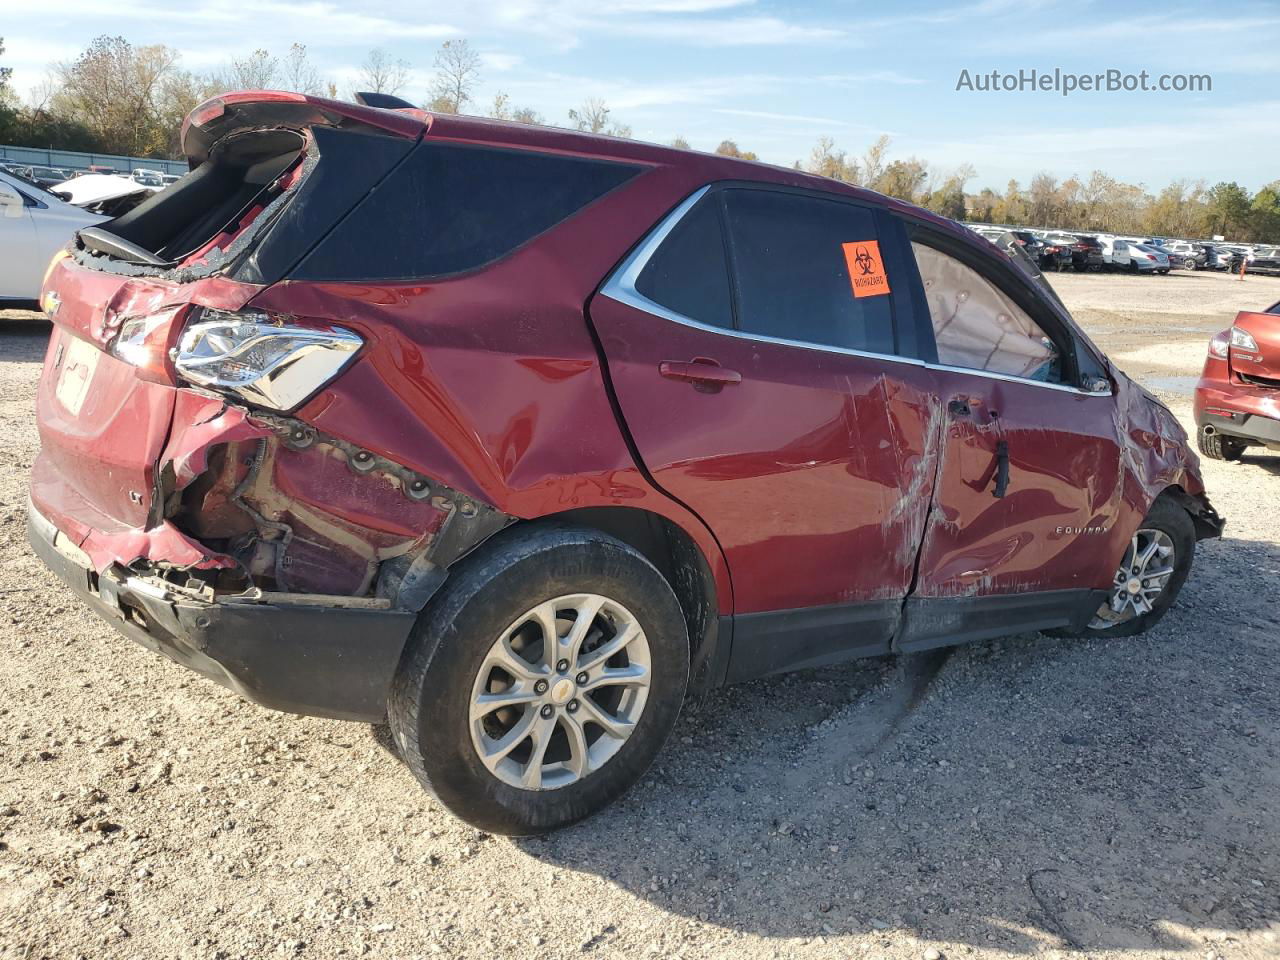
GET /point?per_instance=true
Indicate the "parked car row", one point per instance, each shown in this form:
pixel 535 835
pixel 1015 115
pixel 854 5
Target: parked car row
pixel 53 176
pixel 1062 250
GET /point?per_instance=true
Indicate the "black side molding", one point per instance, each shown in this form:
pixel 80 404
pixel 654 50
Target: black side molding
pixel 784 640
pixel 928 623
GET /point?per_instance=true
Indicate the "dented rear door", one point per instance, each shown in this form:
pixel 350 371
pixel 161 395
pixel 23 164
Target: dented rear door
pixel 810 462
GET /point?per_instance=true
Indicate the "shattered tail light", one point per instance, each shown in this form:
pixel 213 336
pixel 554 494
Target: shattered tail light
pixel 1243 339
pixel 265 360
pixel 1219 344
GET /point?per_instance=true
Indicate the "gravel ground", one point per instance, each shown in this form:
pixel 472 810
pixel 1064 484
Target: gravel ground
pixel 1028 796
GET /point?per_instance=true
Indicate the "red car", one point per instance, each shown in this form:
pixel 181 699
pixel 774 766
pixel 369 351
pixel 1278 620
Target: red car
pixel 1237 401
pixel 517 436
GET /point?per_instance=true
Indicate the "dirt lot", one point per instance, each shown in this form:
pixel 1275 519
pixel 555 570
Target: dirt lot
pixel 1030 796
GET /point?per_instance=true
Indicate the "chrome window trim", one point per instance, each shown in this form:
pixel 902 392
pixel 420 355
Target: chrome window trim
pixel 621 288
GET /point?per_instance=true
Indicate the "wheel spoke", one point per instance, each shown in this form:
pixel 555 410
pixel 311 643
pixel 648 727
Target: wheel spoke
pixel 1145 557
pixel 609 649
pixel 579 761
pixel 543 730
pixel 486 703
pixel 504 656
pixel 586 615
pixel 632 675
pixel 544 615
pixel 618 729
pixel 496 751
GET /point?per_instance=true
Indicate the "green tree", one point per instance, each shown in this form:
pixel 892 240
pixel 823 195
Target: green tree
pixel 728 148
pixel 903 179
pixel 1227 208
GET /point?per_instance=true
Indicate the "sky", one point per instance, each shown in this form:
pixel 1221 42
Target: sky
pixel 775 76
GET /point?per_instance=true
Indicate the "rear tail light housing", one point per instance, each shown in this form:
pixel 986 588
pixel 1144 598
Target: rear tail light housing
pixel 144 342
pixel 1243 339
pixel 1219 345
pixel 266 360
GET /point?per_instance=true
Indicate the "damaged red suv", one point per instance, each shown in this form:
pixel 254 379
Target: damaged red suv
pixel 518 436
pixel 1237 401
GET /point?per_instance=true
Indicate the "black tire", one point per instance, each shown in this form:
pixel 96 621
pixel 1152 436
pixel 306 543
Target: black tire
pixel 1217 447
pixel 1165 515
pixel 484 595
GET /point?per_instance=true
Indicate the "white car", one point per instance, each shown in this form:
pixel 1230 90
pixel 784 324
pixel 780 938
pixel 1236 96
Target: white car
pixel 34 225
pixel 1115 254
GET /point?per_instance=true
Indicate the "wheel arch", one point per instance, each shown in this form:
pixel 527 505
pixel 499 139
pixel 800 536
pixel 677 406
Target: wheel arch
pixel 684 565
pixel 1205 519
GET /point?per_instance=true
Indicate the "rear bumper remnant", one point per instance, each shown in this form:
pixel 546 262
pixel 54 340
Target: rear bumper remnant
pixel 328 657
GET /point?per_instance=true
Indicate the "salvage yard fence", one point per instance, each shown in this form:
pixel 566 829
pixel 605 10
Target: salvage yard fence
pixel 40 157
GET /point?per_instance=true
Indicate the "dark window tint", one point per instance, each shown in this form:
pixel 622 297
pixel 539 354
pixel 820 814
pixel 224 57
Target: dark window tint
pixel 449 208
pixel 687 274
pixel 789 259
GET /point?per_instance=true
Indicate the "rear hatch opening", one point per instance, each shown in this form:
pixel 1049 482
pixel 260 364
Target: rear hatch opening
pixel 271 173
pixel 197 220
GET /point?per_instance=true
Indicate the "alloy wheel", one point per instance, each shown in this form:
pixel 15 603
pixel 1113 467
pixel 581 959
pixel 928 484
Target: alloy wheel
pixel 1144 574
pixel 560 692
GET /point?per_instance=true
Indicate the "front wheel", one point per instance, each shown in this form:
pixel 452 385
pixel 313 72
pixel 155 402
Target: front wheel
pixel 1151 573
pixel 542 680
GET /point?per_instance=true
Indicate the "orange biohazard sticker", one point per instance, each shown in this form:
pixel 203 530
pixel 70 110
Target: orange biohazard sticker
pixel 866 269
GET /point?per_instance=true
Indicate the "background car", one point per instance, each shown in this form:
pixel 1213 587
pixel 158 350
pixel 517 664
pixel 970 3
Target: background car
pixel 46 176
pixel 1115 253
pixel 1265 260
pixel 1144 253
pixel 1237 400
pixel 34 225
pixel 1086 251
pixel 1193 256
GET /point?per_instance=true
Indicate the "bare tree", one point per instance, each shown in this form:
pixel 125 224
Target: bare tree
pixel 381 74
pixel 826 160
pixel 680 143
pixel 300 75
pixel 503 110
pixel 873 160
pixel 257 71
pixel 591 117
pixel 457 73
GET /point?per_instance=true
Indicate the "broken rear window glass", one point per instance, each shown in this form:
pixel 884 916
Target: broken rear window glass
pixel 450 207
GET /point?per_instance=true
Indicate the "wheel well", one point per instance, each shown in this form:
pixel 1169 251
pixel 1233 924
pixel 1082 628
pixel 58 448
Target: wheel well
pixel 675 554
pixel 1206 520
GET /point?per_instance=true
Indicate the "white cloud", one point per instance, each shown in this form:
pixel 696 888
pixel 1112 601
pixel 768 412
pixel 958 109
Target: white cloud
pixel 500 62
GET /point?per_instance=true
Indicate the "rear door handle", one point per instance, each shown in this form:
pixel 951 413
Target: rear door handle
pixel 700 371
pixel 1002 469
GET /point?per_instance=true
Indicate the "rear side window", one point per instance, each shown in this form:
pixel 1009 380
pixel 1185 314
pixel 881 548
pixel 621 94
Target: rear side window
pixel 449 208
pixel 978 326
pixel 687 273
pixel 809 269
